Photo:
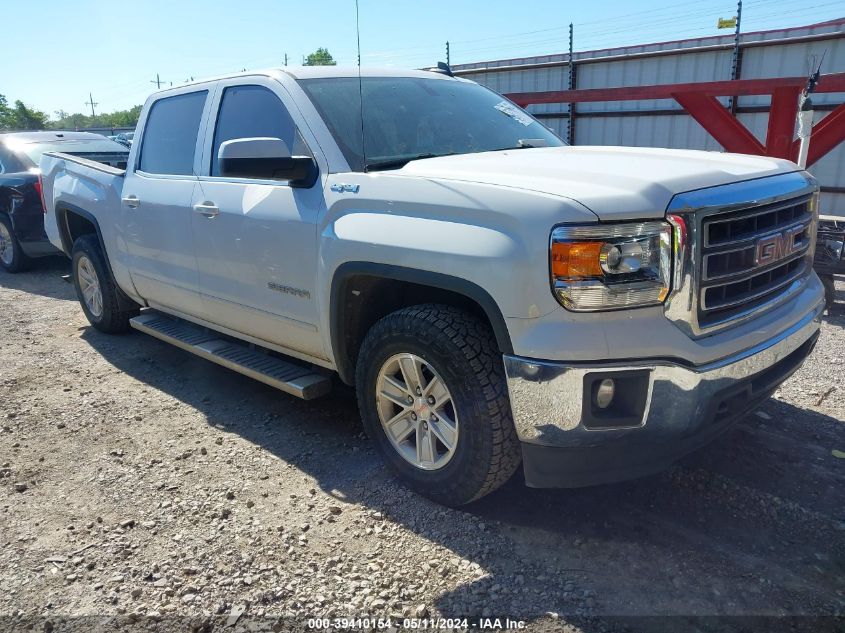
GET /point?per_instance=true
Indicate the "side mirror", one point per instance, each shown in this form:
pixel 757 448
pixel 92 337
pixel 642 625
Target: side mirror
pixel 265 159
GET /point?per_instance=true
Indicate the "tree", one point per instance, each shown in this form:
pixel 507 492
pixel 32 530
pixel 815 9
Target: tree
pixel 320 57
pixel 27 118
pixel 20 117
pixel 4 113
pixel 23 117
pixel 119 118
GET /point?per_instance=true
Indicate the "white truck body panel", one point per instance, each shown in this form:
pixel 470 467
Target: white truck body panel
pixel 259 259
pixel 617 183
pixel 485 215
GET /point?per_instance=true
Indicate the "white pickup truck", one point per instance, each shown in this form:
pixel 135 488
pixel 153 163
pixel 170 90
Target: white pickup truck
pixel 494 296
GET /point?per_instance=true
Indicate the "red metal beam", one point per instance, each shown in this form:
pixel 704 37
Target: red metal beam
pixel 720 123
pixel 826 135
pixel 699 100
pixel 782 117
pixel 834 82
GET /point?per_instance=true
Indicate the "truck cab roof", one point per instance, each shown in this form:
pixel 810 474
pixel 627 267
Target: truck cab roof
pixel 316 72
pixel 319 72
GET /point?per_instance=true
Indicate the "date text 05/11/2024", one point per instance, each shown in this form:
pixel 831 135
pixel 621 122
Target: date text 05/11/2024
pixel 480 624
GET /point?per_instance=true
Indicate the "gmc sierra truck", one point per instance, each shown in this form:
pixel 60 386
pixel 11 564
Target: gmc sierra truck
pixel 494 296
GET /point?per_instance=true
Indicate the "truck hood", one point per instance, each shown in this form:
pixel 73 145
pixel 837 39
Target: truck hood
pixel 615 183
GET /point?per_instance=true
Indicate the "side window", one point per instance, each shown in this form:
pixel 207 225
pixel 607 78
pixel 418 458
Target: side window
pixel 170 134
pixel 254 111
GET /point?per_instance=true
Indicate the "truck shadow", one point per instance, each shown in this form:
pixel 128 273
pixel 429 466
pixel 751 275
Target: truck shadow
pixel 751 524
pixel 40 279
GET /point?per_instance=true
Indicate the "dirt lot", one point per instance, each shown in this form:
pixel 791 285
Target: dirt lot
pixel 138 480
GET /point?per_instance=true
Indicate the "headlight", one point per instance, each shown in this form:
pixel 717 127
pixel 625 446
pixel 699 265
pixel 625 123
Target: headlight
pixel 607 267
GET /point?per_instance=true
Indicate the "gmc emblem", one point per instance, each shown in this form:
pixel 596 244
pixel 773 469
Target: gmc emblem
pixel 774 247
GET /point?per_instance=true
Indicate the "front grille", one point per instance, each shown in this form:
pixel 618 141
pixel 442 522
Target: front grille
pixel 750 256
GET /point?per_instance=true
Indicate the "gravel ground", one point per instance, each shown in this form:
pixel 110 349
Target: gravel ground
pixel 141 483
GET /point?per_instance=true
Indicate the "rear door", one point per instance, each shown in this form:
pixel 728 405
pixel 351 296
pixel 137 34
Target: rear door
pixel 256 240
pixel 156 202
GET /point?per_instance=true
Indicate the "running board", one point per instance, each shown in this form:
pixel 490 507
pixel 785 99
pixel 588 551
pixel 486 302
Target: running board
pixel 294 379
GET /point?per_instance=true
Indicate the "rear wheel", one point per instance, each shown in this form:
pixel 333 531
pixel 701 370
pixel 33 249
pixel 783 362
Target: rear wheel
pixel 12 257
pixel 433 397
pixel 96 289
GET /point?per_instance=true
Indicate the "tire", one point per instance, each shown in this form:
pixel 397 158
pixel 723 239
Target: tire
pixel 829 290
pixel 89 265
pixel 12 257
pixel 460 351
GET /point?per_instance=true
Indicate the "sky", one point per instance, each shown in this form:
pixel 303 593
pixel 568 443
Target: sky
pixel 57 52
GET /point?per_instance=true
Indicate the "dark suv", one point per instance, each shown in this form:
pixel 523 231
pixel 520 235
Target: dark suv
pixel 22 236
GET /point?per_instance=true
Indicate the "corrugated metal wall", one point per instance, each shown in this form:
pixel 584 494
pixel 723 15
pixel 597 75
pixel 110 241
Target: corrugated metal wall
pixel 662 122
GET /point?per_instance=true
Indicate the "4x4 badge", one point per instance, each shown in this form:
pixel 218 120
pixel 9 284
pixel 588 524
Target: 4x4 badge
pixel 342 188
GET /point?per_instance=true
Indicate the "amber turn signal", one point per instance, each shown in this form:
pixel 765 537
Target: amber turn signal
pixel 576 260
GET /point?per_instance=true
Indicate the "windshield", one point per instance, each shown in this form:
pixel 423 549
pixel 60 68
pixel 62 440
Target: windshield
pixel 81 148
pixel 412 117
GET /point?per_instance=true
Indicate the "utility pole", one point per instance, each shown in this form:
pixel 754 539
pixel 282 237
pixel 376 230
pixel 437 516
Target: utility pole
pixel 570 127
pixel 448 59
pixel 156 81
pixel 286 59
pixel 91 103
pixel 735 60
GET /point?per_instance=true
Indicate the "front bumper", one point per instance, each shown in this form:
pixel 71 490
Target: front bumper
pixel 682 408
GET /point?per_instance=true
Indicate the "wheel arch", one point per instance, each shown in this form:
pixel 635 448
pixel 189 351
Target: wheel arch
pixel 73 222
pixel 397 287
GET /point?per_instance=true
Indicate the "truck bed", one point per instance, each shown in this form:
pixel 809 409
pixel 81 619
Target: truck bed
pixel 81 184
pixel 87 162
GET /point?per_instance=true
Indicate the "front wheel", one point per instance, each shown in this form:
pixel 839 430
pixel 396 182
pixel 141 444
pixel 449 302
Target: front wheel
pixel 432 394
pixel 96 289
pixel 12 257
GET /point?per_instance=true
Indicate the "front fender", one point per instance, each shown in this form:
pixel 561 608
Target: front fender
pixel 492 238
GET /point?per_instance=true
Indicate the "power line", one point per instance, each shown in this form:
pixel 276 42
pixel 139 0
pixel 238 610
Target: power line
pixel 668 14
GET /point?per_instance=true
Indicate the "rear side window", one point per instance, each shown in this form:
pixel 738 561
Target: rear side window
pixel 250 112
pixel 170 134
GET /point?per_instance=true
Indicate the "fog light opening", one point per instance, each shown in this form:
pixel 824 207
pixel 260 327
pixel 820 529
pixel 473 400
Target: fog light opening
pixel 605 393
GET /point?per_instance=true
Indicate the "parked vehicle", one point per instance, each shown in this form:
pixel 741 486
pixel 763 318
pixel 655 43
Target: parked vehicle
pixel 22 235
pixel 125 138
pixel 494 296
pixel 830 253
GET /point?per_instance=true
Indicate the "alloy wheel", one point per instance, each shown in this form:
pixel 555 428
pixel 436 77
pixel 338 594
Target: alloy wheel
pixel 6 247
pixel 416 411
pixel 89 285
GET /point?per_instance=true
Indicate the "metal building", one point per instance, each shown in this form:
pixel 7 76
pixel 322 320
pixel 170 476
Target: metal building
pixel 663 122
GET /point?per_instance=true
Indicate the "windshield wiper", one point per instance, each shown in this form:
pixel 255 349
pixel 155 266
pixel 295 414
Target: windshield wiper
pixel 398 163
pixel 524 143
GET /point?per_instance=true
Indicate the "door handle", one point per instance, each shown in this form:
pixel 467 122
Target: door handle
pixel 131 201
pixel 208 209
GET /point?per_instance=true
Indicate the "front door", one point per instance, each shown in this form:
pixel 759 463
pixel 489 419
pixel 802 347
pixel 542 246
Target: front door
pixel 256 240
pixel 156 204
